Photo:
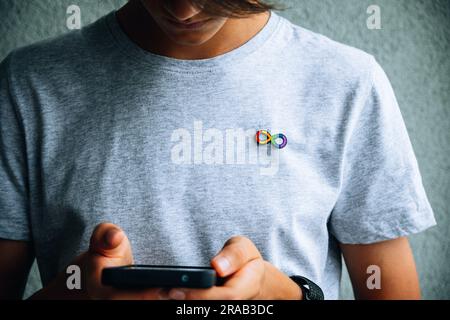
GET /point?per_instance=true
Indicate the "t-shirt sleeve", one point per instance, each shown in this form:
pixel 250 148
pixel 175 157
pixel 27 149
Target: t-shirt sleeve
pixel 14 218
pixel 381 195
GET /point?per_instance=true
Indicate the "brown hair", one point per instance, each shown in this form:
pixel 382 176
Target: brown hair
pixel 233 8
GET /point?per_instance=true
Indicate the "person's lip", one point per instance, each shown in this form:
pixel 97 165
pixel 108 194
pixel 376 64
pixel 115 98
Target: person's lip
pixel 188 26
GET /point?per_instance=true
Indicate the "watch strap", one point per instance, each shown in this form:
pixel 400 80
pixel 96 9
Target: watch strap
pixel 310 290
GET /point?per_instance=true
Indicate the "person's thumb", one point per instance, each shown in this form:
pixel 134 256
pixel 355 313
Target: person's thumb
pixel 110 241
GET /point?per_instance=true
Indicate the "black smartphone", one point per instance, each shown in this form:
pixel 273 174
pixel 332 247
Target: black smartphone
pixel 147 276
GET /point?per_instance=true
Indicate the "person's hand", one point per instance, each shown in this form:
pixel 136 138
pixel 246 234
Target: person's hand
pixel 109 247
pixel 247 275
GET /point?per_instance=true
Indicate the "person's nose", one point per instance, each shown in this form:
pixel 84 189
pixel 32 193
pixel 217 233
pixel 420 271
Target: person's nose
pixel 182 10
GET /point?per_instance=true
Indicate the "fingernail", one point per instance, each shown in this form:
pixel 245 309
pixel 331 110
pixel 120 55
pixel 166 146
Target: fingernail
pixel 223 263
pixel 177 295
pixel 109 236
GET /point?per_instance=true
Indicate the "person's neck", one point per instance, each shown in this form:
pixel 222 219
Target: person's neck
pixel 141 28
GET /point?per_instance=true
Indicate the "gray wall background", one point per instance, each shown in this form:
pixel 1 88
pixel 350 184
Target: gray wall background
pixel 413 46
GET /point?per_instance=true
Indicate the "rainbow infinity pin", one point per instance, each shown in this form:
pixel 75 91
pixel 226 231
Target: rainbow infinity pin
pixel 271 138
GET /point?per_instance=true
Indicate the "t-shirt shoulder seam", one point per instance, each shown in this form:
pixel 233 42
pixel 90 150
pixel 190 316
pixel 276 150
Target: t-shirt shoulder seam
pixel 15 105
pixel 368 86
pixel 9 84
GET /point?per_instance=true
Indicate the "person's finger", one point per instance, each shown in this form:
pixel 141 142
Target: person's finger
pixel 236 252
pixel 110 241
pixel 245 284
pixel 138 294
pixel 214 293
pixel 247 281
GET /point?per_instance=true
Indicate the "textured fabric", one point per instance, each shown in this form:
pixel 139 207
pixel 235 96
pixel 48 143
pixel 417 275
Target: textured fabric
pixel 95 129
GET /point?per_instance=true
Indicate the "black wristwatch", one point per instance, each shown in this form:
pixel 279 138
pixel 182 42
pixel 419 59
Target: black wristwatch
pixel 310 290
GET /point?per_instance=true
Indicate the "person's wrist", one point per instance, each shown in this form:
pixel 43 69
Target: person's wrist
pixel 57 288
pixel 278 286
pixel 297 293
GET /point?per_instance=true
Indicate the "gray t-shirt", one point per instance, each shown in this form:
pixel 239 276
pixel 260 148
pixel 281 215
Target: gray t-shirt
pixel 93 129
